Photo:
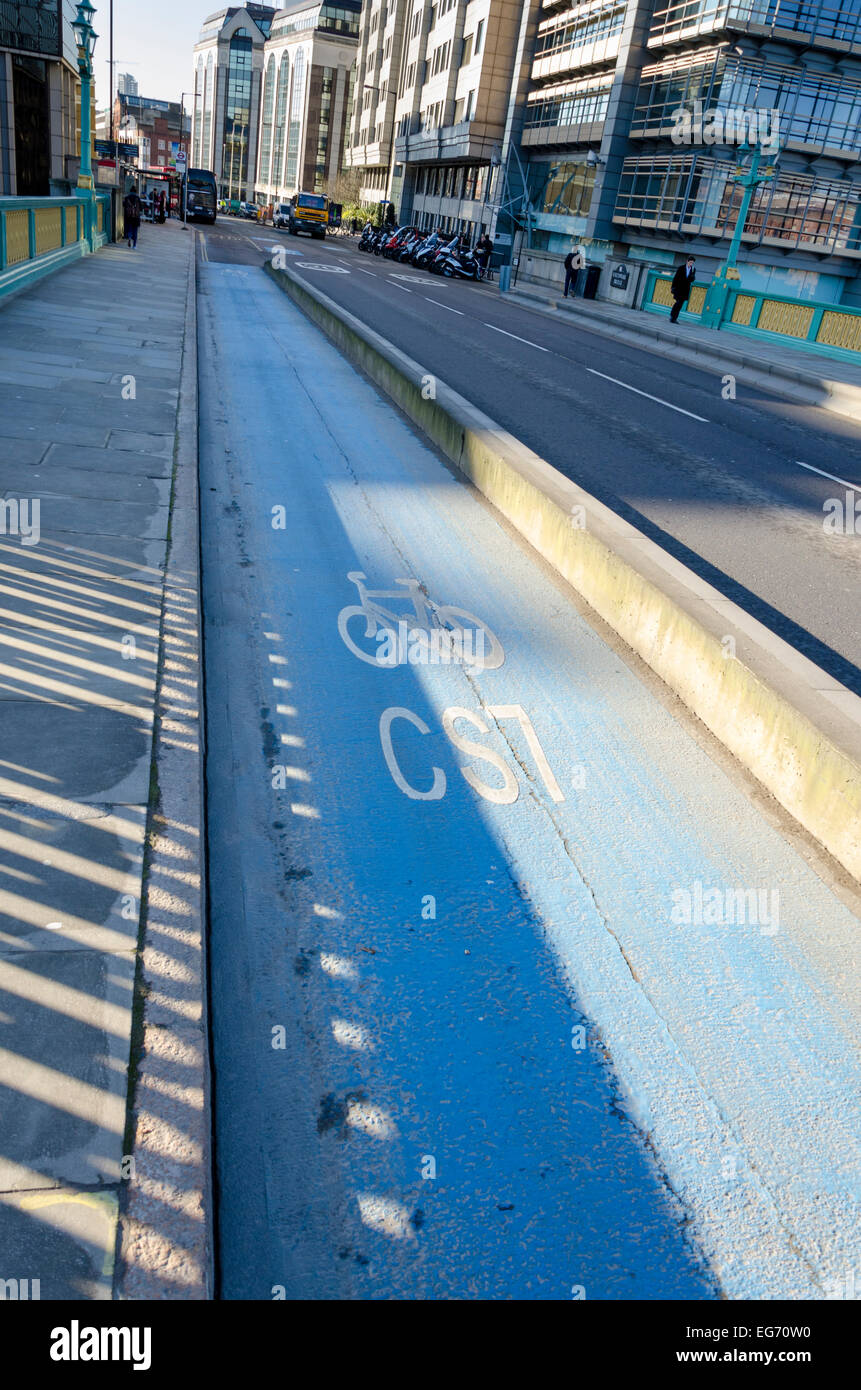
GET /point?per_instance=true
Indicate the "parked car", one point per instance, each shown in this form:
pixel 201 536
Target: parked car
pixel 248 210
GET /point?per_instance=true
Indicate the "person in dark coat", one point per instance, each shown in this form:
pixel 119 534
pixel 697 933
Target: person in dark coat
pixel 574 263
pixel 132 211
pixel 484 251
pixel 683 282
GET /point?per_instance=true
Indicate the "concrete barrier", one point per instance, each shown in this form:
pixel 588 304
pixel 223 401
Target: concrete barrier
pixel 789 723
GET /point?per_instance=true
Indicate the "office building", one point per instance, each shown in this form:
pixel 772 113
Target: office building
pixel 612 163
pixel 228 68
pixel 306 90
pixel 432 91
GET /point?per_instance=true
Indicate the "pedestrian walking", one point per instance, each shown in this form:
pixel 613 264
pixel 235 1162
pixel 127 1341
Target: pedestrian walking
pixel 574 262
pixel 132 209
pixel 683 282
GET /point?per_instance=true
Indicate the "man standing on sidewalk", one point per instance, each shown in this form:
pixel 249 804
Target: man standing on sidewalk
pixel 574 263
pixel 682 285
pixel 132 216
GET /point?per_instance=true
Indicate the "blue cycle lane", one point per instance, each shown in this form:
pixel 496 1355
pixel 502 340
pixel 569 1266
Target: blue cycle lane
pixel 515 993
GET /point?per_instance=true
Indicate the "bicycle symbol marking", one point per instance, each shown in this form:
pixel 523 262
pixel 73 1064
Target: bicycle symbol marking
pixel 433 634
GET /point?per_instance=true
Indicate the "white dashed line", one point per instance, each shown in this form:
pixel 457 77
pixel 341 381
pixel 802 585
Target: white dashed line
pixel 637 392
pixel 443 306
pixel 832 476
pixel 517 336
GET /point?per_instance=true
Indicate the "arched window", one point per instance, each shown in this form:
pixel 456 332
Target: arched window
pixel 263 171
pixel 297 104
pixel 198 114
pixel 237 117
pixel 208 104
pixel 280 124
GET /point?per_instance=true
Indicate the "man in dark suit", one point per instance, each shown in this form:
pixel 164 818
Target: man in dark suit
pixel 682 285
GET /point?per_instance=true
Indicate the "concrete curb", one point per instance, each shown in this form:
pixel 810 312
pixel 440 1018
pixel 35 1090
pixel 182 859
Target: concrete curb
pixel 797 730
pixel 165 1240
pixel 725 355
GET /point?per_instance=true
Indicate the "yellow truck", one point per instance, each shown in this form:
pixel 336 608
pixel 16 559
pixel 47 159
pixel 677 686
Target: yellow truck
pixel 308 212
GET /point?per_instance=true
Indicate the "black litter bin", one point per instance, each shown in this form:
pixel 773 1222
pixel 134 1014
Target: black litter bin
pixel 590 285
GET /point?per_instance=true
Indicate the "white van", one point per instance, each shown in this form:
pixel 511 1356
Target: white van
pixel 281 215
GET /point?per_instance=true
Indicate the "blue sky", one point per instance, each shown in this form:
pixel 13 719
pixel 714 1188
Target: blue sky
pixel 153 40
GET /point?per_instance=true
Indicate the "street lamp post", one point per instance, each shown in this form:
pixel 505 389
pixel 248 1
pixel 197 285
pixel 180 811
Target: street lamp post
pixel 85 37
pixel 726 277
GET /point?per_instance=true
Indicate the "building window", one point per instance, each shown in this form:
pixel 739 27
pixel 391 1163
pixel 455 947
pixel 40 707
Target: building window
pixel 263 164
pixel 280 122
pixel 237 117
pixel 32 127
pixel 208 103
pixel 479 37
pixel 296 107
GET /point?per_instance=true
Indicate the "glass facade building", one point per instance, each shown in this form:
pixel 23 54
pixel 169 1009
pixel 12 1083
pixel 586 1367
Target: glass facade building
pixel 228 71
pixel 632 117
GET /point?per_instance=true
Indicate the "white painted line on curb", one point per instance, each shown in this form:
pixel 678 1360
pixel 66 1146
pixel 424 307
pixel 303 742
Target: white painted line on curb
pixel 517 336
pixel 832 476
pixel 702 419
pixel 443 306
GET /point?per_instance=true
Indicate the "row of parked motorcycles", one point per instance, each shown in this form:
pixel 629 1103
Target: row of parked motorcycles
pixel 426 251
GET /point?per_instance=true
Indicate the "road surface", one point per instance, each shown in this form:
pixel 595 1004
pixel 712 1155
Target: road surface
pixel 718 483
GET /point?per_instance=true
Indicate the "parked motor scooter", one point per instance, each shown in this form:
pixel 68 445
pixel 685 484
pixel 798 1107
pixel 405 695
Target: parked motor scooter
pixel 438 259
pixel 425 250
pixel 407 246
pixel 461 265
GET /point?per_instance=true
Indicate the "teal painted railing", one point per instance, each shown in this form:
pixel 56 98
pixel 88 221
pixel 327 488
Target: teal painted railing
pixel 832 330
pixel 40 235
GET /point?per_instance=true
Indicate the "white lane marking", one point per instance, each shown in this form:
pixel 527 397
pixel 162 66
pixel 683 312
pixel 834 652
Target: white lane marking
pixel 517 336
pixel 443 306
pixel 362 271
pixel 401 287
pixel 329 269
pixel 638 392
pixel 832 476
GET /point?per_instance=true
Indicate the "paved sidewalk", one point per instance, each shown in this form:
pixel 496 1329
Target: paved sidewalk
pixel 825 381
pixel 90 369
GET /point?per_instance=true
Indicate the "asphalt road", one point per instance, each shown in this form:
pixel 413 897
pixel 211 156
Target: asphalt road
pixel 716 482
pixel 472 1035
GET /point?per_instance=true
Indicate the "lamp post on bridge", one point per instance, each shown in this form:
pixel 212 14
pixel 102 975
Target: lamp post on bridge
pixel 85 37
pixel 726 277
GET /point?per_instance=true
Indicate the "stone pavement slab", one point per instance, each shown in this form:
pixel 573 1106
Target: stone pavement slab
pixel 69 1015
pixel 116 565
pixel 65 1236
pixel 51 478
pixel 71 877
